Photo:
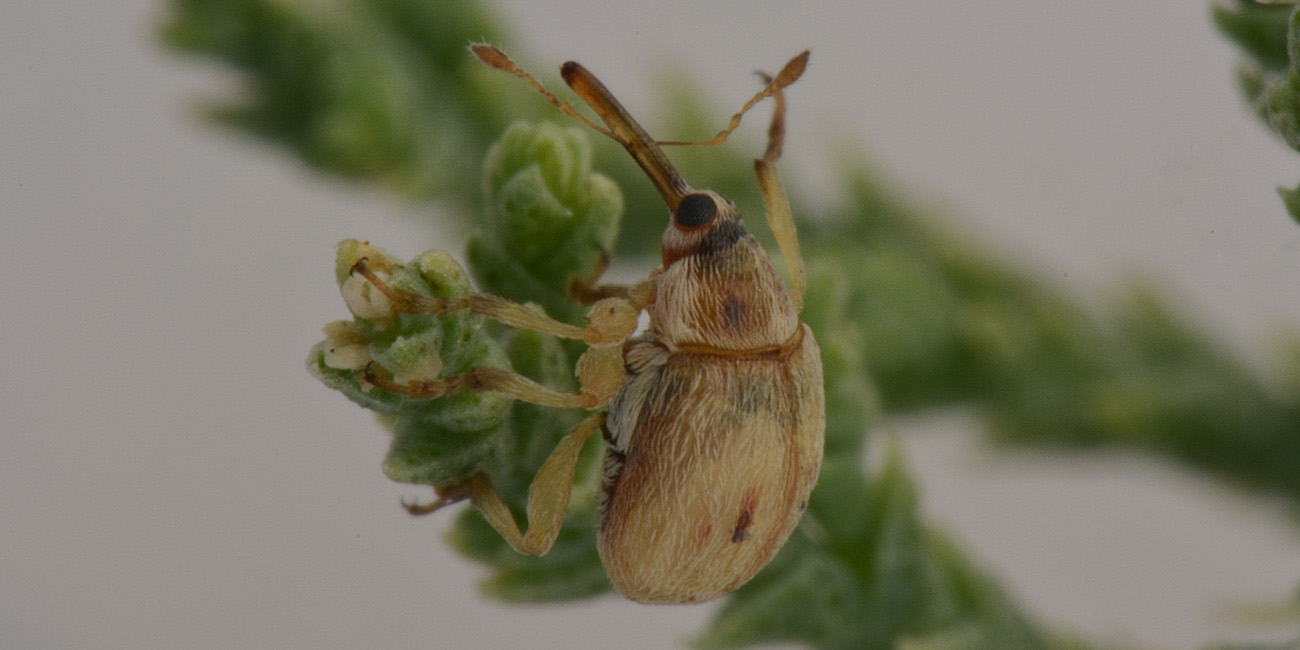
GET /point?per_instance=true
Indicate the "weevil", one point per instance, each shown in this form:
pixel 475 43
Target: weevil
pixel 713 417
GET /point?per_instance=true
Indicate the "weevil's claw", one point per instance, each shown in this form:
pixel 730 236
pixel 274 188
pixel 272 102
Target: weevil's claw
pixel 373 378
pixel 359 267
pixel 417 509
pixel 432 389
pixel 403 300
pixel 399 298
pixel 368 373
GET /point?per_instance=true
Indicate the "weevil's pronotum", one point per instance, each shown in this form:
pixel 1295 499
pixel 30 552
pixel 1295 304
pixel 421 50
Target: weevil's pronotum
pixel 714 416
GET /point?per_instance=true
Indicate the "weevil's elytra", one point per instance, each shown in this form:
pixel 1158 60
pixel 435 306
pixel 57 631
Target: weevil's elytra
pixel 714 416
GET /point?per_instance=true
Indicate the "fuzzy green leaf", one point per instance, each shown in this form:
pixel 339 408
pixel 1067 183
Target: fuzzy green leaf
pixel 548 217
pixel 1269 35
pixel 1260 30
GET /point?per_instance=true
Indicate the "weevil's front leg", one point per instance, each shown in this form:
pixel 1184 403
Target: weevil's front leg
pixel 586 291
pixel 548 497
pixel 779 216
pixel 611 321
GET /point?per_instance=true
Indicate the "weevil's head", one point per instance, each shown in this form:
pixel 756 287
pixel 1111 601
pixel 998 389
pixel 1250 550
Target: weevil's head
pixel 703 223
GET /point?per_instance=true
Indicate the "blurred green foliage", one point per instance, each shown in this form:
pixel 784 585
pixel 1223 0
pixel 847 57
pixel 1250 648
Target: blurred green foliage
pixel 1268 33
pixel 910 313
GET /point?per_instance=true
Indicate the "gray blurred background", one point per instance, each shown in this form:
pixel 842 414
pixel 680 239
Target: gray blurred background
pixel 171 477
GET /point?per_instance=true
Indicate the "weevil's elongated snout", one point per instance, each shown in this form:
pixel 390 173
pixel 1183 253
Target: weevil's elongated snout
pixel 672 187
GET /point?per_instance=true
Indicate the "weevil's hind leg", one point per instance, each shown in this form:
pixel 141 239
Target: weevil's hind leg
pixel 779 216
pixel 548 497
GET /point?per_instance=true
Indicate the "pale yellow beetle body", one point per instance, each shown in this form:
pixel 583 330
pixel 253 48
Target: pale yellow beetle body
pixel 713 417
pixel 716 437
pixel 709 479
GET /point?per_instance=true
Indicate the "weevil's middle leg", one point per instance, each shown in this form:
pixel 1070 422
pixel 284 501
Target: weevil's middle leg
pixel 600 376
pixel 548 497
pixel 586 291
pixel 779 216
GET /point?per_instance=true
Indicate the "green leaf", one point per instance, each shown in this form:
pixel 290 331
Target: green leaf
pixel 1269 34
pixel 1260 30
pixel 1291 199
pixel 549 217
pixel 366 90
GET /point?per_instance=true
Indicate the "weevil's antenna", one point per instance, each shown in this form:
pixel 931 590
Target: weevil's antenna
pixel 494 57
pixel 622 128
pixel 672 187
pixel 789 74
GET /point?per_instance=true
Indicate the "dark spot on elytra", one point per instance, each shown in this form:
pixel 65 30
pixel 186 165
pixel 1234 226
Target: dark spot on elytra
pixel 733 313
pixel 740 532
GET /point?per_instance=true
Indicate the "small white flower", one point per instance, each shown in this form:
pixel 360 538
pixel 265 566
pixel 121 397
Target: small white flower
pixel 364 300
pixel 345 347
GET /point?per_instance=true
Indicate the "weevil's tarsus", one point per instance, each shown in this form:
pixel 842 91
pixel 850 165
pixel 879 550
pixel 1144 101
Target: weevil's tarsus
pixel 586 291
pixel 779 216
pixel 626 131
pixel 789 74
pixel 417 509
pixel 445 496
pixel 548 497
pixel 403 301
pixel 485 379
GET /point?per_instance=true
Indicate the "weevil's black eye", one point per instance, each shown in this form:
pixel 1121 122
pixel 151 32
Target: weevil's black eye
pixel 695 210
